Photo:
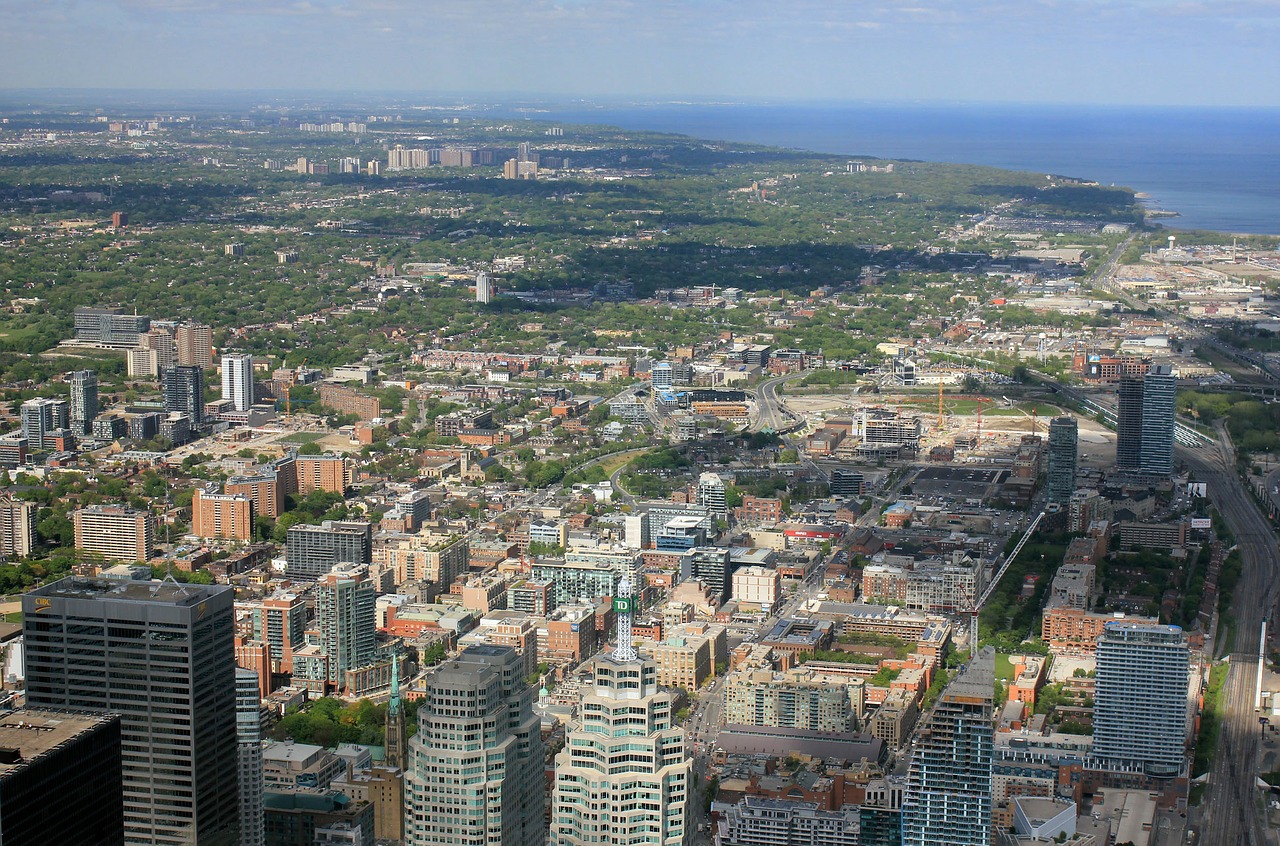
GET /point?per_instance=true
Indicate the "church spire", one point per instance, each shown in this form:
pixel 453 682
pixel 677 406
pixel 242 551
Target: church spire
pixel 396 735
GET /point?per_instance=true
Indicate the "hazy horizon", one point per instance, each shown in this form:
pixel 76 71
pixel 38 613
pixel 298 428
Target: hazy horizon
pixel 1054 52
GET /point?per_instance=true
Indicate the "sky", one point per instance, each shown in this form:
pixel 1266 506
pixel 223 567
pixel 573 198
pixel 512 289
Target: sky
pixel 1140 52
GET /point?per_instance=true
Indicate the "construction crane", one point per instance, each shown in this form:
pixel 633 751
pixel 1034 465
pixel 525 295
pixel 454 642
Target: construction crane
pixel 940 415
pixel 995 580
pixel 981 401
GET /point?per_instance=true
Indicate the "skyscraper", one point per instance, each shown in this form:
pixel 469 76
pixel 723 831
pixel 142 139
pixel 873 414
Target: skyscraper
pixel 160 654
pixel 48 755
pixel 249 757
pixel 1061 482
pixel 475 771
pixel 624 775
pixel 1145 421
pixel 345 618
pixel 948 800
pixel 194 343
pixel 312 551
pixel 183 389
pixel 1159 408
pixel 84 400
pixel 17 526
pixel 712 493
pixel 484 288
pixel 237 380
pixel 116 532
pixel 40 417
pixel 1140 707
pixel 1129 423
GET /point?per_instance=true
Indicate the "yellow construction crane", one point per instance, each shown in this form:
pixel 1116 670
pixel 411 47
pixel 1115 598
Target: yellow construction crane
pixel 940 415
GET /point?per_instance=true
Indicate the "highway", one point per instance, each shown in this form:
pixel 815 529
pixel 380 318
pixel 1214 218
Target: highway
pixel 1232 808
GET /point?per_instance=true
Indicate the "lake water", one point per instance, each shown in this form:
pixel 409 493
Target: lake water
pixel 1218 168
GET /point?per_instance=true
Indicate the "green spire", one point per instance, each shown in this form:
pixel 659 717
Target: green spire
pixel 393 704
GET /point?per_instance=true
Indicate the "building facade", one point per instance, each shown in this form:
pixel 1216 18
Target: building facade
pixel 237 380
pixel 159 654
pixel 948 800
pixel 1140 706
pixel 220 515
pixel 84 400
pixel 345 618
pixel 475 769
pixel 249 757
pixel 183 389
pixel 48 754
pixel 116 532
pixel 1063 440
pixel 624 775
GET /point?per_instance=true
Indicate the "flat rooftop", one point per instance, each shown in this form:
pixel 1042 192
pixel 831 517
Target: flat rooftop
pixel 165 591
pixel 34 733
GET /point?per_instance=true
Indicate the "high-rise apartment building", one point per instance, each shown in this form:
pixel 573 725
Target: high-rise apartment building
pixel 1063 441
pixel 712 493
pixel 280 621
pixel 1145 421
pixel 47 755
pixel 1129 423
pixel 1140 706
pixel 948 800
pixel 484 288
pixel 41 417
pixel 1159 409
pixel 322 473
pixel 311 551
pixel 183 389
pixel 84 400
pixel 17 526
pixel 475 770
pixel 763 698
pixel 160 655
pixel 116 532
pixel 237 380
pixel 194 342
pixel 623 775
pixel 710 565
pixel 345 619
pixel 221 515
pixel 249 757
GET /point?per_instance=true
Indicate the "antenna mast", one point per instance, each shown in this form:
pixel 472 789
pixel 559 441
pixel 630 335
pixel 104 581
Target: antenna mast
pixel 623 604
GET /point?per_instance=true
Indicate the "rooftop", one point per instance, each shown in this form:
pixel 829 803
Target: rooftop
pixel 168 592
pixel 33 733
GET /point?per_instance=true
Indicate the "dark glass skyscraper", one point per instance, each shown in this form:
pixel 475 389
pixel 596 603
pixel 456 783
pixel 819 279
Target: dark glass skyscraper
pixel 1063 440
pixel 1129 423
pixel 161 655
pixel 1145 421
pixel 183 388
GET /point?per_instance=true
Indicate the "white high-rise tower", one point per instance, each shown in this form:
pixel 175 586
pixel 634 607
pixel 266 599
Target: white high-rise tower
pixel 237 380
pixel 484 288
pixel 624 775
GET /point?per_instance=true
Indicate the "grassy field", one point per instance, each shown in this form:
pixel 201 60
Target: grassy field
pixel 305 437
pixel 15 617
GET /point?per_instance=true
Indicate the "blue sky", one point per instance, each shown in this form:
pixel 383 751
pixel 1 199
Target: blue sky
pixel 1070 51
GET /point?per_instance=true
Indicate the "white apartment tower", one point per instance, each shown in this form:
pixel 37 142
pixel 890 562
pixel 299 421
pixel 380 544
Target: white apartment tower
pixel 237 380
pixel 624 775
pixel 1140 707
pixel 484 288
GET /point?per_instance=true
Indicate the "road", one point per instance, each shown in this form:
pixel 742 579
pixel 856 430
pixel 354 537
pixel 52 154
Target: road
pixel 1232 807
pixel 771 412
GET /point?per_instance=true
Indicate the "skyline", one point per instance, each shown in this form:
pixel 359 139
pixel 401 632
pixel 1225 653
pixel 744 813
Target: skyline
pixel 1126 52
